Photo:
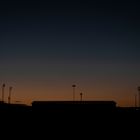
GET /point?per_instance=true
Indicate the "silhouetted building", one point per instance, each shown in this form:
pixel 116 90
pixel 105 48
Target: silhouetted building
pixel 73 106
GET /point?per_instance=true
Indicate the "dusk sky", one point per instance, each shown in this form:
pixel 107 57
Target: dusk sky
pixel 45 47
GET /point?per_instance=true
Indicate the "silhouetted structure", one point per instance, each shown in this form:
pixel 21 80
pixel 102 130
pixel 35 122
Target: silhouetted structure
pixel 3 87
pixel 139 95
pixel 74 107
pixel 81 96
pixel 135 100
pixel 9 97
pixel 74 86
pixel 10 108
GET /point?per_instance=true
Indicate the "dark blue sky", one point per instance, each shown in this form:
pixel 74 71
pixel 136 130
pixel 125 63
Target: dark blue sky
pixel 70 42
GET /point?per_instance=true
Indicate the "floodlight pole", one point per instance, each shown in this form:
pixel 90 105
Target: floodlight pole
pixel 10 92
pixel 3 88
pixel 81 96
pixel 74 86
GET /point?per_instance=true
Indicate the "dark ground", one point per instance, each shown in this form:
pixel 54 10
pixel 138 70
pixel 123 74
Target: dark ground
pixel 117 123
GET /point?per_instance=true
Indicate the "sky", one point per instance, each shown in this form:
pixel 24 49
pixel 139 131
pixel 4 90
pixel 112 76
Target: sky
pixel 46 47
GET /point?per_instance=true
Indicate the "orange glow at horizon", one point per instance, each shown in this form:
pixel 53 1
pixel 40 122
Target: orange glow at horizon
pixel 31 91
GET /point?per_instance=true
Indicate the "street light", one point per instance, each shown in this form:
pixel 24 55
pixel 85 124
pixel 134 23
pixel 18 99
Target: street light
pixel 135 100
pixel 3 87
pixel 9 97
pixel 74 86
pixel 81 96
pixel 139 95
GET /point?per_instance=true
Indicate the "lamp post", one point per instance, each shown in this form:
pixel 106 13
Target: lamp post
pixel 135 100
pixel 139 95
pixel 81 96
pixel 3 88
pixel 74 86
pixel 10 92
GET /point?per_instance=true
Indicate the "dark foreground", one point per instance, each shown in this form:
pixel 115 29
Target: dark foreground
pixel 92 121
pixel 77 111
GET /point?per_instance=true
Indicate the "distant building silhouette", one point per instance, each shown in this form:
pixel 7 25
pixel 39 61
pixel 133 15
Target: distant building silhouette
pixel 74 106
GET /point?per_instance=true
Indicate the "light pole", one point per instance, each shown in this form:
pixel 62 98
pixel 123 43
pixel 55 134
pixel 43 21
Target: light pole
pixel 139 95
pixel 10 92
pixel 135 100
pixel 81 96
pixel 74 86
pixel 3 87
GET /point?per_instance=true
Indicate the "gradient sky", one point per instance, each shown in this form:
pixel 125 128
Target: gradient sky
pixel 45 47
